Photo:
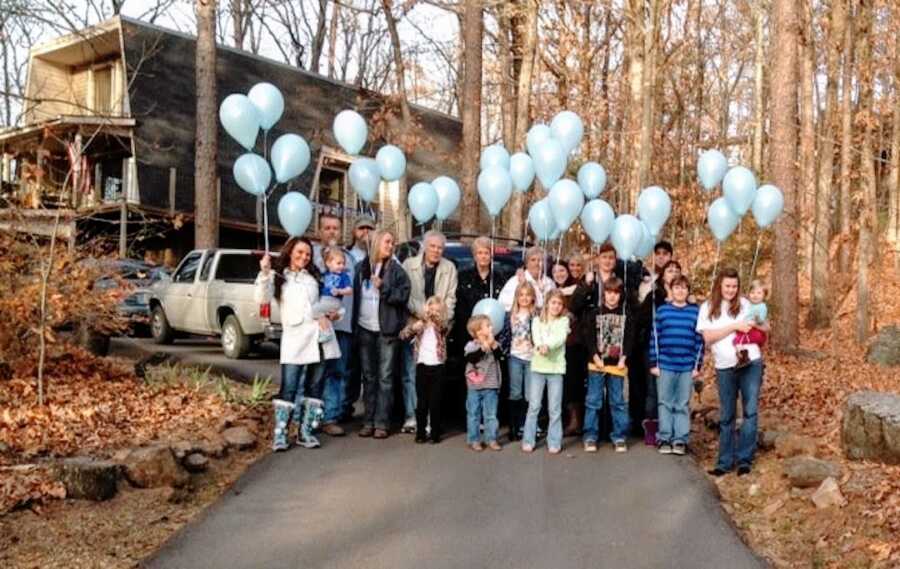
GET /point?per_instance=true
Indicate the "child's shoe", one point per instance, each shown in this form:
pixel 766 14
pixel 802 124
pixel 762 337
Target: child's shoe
pixel 326 336
pixel 679 448
pixel 651 426
pixel 554 450
pixel 620 446
pixel 477 447
pixel 590 446
pixel 664 448
pixel 494 445
pixel 409 426
pixel 527 448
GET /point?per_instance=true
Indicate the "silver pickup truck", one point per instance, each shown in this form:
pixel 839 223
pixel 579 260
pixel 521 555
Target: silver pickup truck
pixel 211 293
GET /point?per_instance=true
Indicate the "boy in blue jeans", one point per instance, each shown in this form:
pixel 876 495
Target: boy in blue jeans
pixel 676 356
pixel 483 356
pixel 609 336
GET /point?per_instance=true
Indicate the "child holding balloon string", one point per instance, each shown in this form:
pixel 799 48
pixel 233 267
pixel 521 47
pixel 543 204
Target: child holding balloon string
pixel 429 336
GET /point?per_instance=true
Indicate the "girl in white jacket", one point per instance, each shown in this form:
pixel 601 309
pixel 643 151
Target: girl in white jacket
pixel 293 282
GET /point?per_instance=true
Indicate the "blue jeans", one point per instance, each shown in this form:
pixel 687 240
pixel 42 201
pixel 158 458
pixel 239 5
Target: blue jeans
pixel 482 402
pixel 336 374
pixel 378 356
pixel 738 447
pixel 519 371
pixel 554 383
pixel 299 381
pixel 674 388
pixel 409 380
pixel 598 383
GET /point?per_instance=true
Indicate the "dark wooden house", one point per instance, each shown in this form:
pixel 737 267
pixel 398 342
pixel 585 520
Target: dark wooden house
pixel 107 141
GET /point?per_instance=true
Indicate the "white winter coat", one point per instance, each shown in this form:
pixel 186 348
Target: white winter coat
pixel 299 330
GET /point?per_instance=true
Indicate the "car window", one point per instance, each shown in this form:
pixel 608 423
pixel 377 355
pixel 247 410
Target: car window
pixel 188 269
pixel 207 265
pixel 237 268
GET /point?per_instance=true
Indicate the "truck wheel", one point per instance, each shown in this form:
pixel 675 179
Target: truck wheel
pixel 159 326
pixel 93 341
pixel 235 343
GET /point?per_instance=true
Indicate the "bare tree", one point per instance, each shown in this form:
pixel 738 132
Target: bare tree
pixel 206 195
pixel 868 221
pixel 473 30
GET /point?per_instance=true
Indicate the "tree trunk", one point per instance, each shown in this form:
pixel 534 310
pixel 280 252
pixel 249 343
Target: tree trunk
pixel 473 30
pixel 820 310
pixel 867 217
pixel 206 195
pixel 332 39
pixel 782 155
pixel 634 47
pixel 807 135
pixel 846 141
pixel 758 88
pixel 893 230
pixel 319 39
pixel 648 89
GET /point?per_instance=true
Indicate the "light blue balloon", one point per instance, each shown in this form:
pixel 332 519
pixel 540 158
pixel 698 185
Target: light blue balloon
pixel 597 219
pixel 556 233
pixel 592 179
pixel 537 135
pixel 365 178
pixel 647 242
pixel 448 194
pixel 767 205
pixel 240 119
pixel 739 188
pixel 722 220
pixel 423 201
pixel 350 131
pixel 626 235
pixel 252 173
pixel 495 155
pixel 549 162
pixel 654 207
pixel 566 201
pixel 711 168
pixel 521 170
pixel 294 213
pixel 391 162
pixel 494 187
pixel 268 102
pixel 290 157
pixel 568 129
pixel 540 220
pixel 492 309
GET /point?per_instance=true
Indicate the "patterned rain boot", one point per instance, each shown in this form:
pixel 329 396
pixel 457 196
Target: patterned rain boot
pixel 282 421
pixel 312 411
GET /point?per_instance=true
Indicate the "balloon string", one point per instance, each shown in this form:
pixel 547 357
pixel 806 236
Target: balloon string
pixel 715 267
pixel 653 306
pixel 755 256
pixel 559 247
pixel 524 238
pixel 493 220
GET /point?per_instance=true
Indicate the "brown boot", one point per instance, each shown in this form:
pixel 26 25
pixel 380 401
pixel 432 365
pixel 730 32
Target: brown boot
pixel 571 428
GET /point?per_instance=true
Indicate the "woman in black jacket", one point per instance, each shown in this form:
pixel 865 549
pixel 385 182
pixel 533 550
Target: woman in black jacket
pixel 380 294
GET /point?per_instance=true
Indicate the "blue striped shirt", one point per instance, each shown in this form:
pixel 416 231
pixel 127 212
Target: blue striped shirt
pixel 675 344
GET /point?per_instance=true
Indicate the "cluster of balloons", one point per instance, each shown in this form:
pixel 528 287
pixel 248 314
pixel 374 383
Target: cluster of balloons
pixel 243 116
pixel 739 194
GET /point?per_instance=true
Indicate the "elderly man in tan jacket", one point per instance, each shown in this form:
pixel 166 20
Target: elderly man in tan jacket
pixel 430 274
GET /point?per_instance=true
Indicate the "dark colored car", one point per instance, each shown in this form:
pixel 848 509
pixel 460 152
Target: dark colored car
pixel 137 277
pixel 507 257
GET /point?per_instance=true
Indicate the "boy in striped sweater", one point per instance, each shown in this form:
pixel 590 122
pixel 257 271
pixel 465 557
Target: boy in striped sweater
pixel 676 356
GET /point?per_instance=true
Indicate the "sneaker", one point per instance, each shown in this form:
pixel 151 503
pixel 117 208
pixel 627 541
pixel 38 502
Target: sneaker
pixel 717 472
pixel 476 447
pixel 366 431
pixel 527 448
pixel 743 470
pixel 380 434
pixel 494 445
pixel 679 448
pixel 309 441
pixel 554 450
pixel 333 430
pixel 590 446
pixel 409 426
pixel 621 446
pixel 664 448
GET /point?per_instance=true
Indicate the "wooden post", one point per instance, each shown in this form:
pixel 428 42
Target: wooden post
pixel 123 209
pixel 98 184
pixel 172 175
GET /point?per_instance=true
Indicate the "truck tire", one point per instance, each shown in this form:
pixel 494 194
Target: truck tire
pixel 159 326
pixel 235 343
pixel 93 341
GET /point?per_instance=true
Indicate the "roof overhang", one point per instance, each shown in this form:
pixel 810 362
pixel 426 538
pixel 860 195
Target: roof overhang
pixel 116 126
pixel 82 47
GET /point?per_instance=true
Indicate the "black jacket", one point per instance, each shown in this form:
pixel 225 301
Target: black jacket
pixel 588 296
pixel 470 288
pixel 603 329
pixel 392 310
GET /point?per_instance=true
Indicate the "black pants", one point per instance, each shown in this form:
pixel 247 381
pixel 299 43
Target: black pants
pixel 576 374
pixel 429 391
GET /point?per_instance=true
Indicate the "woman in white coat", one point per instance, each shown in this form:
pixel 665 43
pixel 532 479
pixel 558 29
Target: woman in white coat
pixel 293 282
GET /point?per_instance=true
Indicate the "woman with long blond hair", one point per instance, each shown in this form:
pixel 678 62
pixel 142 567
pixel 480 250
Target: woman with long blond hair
pixel 380 294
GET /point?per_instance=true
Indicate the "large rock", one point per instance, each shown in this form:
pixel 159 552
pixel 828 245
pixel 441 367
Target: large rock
pixel 196 462
pixel 884 349
pixel 828 494
pixel 153 467
pixel 767 439
pixel 213 445
pixel 88 479
pixel 789 444
pixel 871 427
pixel 239 437
pixel 808 472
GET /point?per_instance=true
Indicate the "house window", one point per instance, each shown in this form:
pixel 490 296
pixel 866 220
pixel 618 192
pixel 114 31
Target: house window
pixel 102 83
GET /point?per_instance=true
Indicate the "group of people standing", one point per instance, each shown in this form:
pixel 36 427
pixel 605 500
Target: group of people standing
pixel 578 334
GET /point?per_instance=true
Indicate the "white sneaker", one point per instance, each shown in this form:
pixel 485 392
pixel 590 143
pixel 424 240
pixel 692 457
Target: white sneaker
pixel 621 446
pixel 409 426
pixel 309 442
